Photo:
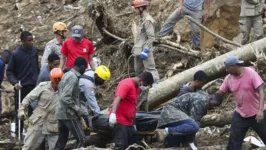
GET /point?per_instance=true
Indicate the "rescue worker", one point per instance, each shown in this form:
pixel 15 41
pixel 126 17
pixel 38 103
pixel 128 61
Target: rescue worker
pixel 75 47
pixel 42 125
pixel 55 45
pixel 180 119
pixel 143 47
pixel 251 17
pixel 123 110
pixel 53 62
pixel 87 84
pixel 248 90
pixel 192 8
pixel 68 110
pixel 200 78
pixel 5 57
pixel 24 67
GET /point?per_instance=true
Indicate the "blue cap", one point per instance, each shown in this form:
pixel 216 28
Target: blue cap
pixel 232 61
pixel 77 31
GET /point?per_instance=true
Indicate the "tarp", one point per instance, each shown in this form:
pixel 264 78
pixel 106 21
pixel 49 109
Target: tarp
pixel 145 121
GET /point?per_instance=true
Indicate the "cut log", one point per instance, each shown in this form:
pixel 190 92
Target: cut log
pixel 213 68
pixel 218 120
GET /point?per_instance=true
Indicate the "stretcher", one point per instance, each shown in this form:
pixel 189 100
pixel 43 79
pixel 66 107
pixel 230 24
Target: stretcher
pixel 146 123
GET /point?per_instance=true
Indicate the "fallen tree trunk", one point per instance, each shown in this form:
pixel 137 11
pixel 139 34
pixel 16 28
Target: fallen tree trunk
pixel 218 120
pixel 167 89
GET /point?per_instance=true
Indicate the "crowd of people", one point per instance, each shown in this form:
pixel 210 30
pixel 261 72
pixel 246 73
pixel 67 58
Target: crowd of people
pixel 56 97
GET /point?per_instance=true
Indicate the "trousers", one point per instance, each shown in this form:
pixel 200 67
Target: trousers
pixel 247 23
pixel 146 65
pixel 75 127
pixel 176 16
pixel 181 133
pixel 239 128
pixel 123 136
pixel 34 139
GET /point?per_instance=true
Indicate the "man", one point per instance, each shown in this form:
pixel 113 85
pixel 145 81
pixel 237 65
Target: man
pixel 23 66
pixel 75 47
pixel 123 109
pixel 200 78
pixel 248 90
pixel 42 125
pixel 68 109
pixel 192 8
pixel 87 84
pixel 55 45
pixel 5 56
pixel 180 119
pixel 143 47
pixel 53 62
pixel 251 17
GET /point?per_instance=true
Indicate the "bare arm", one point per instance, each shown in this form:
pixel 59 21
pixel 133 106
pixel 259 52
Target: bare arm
pixel 207 9
pixel 181 3
pixel 260 90
pixel 207 5
pixel 62 61
pixel 115 104
pixel 91 62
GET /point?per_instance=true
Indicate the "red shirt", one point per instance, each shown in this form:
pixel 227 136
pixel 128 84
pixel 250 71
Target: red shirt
pixel 129 93
pixel 72 50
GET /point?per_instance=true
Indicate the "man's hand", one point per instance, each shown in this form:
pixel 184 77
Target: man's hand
pixel 17 86
pixel 21 114
pixel 112 119
pixel 206 15
pixel 179 9
pixel 260 116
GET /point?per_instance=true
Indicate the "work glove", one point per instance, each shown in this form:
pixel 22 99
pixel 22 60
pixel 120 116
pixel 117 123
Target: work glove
pixel 21 114
pixel 112 120
pixel 144 54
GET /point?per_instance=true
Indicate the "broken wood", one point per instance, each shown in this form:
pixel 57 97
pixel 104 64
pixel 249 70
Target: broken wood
pixel 180 50
pixel 180 64
pixel 112 35
pixel 213 68
pixel 218 120
pixel 173 44
pixel 212 33
pixel 125 14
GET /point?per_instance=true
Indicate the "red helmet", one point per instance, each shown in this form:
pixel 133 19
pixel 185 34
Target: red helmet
pixel 139 3
pixel 56 75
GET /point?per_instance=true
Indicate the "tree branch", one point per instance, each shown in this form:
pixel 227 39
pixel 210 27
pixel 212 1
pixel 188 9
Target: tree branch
pixel 212 33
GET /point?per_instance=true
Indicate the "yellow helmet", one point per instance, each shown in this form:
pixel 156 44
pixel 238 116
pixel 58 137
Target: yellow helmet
pixel 59 26
pixel 103 72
